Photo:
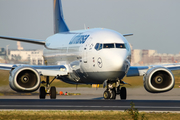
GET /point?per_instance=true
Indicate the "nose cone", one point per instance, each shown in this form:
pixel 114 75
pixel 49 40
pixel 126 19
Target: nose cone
pixel 115 60
pixel 113 65
pixel 118 62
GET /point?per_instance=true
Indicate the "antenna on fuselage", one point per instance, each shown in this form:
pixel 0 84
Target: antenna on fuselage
pixel 130 34
pixel 84 26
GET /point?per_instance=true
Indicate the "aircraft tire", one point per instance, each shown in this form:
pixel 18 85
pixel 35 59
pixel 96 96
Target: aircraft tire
pixel 53 92
pixel 123 93
pixel 106 94
pixel 42 93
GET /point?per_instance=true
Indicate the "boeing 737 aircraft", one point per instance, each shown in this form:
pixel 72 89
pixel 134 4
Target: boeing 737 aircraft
pixel 91 56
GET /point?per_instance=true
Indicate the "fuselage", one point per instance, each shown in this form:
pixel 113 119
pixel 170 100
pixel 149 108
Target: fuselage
pixel 90 56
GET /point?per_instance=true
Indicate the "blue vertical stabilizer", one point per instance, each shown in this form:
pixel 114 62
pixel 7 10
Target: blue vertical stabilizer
pixel 59 23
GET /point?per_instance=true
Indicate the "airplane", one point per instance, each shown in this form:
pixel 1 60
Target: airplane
pixel 90 56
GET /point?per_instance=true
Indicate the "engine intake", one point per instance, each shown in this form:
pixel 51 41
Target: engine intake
pixel 24 79
pixel 158 79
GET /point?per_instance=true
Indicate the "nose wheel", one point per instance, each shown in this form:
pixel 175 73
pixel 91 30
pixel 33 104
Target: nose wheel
pixel 43 91
pixel 106 94
pixel 123 93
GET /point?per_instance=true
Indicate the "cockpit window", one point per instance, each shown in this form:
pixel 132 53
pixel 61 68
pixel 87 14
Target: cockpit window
pixel 96 46
pixel 111 45
pixel 119 45
pixel 100 46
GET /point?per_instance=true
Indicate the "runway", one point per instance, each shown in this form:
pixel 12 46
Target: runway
pixel 37 104
pixel 91 99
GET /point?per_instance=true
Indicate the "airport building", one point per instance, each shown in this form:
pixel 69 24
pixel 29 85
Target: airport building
pixel 33 57
pixel 151 57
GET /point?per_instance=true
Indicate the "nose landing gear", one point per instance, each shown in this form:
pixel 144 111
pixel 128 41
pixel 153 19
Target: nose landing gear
pixel 112 91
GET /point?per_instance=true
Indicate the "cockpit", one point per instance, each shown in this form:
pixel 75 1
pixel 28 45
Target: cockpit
pixel 100 46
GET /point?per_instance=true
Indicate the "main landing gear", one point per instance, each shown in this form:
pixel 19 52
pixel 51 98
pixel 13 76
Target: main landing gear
pixel 49 90
pixel 113 89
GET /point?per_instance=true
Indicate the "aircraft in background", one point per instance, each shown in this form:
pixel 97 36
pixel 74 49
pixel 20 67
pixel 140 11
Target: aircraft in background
pixel 91 56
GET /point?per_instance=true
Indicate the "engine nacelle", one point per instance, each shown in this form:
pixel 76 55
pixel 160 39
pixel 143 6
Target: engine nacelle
pixel 158 79
pixel 24 79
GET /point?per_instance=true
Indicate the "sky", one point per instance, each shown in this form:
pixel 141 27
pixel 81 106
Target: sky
pixel 154 23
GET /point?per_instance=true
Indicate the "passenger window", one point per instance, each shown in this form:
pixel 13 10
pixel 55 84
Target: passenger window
pixel 119 45
pixel 108 45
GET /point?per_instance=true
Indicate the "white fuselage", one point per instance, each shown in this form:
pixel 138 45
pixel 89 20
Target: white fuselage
pixel 91 56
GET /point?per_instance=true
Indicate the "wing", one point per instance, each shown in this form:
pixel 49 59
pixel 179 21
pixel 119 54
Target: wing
pixel 34 41
pixel 43 70
pixel 6 66
pixel 137 71
pixel 55 70
pixel 142 70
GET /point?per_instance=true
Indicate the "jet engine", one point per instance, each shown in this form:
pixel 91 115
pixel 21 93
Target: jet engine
pixel 24 79
pixel 158 79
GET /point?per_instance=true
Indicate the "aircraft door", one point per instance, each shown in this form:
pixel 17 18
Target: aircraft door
pixel 86 54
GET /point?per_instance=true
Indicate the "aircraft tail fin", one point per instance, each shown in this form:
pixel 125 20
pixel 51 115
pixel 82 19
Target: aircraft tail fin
pixel 59 23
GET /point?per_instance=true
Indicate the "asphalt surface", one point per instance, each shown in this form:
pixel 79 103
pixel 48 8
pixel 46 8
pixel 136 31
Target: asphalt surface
pixel 91 99
pixel 36 104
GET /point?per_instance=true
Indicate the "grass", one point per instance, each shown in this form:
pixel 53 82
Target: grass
pixel 81 115
pixel 4 77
